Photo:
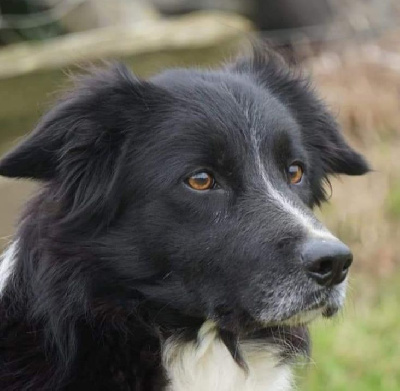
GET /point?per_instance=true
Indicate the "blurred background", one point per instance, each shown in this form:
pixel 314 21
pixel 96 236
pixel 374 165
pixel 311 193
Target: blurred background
pixel 352 50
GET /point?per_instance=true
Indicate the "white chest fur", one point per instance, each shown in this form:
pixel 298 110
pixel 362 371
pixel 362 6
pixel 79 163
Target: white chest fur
pixel 207 365
pixel 7 264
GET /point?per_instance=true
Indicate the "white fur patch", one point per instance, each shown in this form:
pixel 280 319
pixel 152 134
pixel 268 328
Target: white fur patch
pixel 207 365
pixel 288 206
pixel 7 263
pixel 297 213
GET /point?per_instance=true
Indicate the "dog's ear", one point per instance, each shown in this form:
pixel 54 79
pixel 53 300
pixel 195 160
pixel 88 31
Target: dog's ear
pixel 36 156
pixel 87 121
pixel 322 134
pixel 319 128
pixel 81 144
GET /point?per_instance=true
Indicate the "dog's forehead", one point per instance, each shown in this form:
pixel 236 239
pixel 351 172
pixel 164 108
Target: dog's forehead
pixel 230 105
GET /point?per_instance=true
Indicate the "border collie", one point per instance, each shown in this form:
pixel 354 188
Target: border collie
pixel 172 244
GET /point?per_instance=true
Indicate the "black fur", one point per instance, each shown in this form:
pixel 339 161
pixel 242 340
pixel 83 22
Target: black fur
pixel 115 253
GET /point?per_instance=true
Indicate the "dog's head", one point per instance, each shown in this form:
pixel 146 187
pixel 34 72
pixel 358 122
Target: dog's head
pixel 195 190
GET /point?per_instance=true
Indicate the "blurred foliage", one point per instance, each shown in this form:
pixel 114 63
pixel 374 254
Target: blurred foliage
pixel 26 7
pixel 393 202
pixel 359 351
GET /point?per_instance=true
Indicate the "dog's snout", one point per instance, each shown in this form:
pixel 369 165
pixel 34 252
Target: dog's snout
pixel 326 261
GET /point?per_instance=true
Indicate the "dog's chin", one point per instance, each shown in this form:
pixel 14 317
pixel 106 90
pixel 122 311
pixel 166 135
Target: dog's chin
pixel 304 318
pixel 289 335
pixel 324 305
pixel 245 323
pixel 292 333
pixel 251 327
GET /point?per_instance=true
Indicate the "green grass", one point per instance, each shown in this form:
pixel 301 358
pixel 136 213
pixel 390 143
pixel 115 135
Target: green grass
pixel 360 350
pixel 393 201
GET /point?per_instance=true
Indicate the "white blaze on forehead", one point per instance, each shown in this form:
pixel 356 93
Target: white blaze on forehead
pixel 285 203
pixel 297 213
pixel 7 263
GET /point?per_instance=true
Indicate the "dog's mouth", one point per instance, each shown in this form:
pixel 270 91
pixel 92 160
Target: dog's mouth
pixel 244 323
pixel 292 334
pixel 287 337
pixel 314 305
pixel 287 331
pixel 305 317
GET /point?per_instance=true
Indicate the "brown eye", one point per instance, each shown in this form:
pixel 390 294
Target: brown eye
pixel 295 173
pixel 201 181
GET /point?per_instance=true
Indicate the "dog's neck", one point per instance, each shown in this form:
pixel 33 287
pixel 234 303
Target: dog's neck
pixel 206 364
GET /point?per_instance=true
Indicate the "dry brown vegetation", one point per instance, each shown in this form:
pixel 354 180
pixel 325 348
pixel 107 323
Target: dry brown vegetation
pixel 360 352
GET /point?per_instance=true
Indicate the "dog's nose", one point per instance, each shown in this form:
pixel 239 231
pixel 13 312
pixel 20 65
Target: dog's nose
pixel 326 261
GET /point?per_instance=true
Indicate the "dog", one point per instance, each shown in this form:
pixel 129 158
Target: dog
pixel 172 244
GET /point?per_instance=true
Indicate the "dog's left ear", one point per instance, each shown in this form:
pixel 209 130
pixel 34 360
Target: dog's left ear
pixel 320 130
pixel 34 157
pixel 86 126
pixel 81 145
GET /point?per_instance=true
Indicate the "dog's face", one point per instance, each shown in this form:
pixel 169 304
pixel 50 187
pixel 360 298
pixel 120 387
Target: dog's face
pixel 197 189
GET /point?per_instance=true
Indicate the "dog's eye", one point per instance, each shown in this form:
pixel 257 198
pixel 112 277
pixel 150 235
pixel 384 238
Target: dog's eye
pixel 295 172
pixel 201 181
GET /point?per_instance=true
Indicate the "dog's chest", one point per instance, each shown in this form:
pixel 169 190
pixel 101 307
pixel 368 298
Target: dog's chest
pixel 208 366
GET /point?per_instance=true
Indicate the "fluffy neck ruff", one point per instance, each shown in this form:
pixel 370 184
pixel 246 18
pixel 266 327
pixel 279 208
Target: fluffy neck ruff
pixel 207 364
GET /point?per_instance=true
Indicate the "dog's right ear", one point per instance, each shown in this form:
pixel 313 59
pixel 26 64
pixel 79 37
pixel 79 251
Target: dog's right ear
pixel 36 156
pixel 319 128
pixel 85 121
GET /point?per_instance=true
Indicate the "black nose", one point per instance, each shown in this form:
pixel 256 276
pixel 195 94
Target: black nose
pixel 326 261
